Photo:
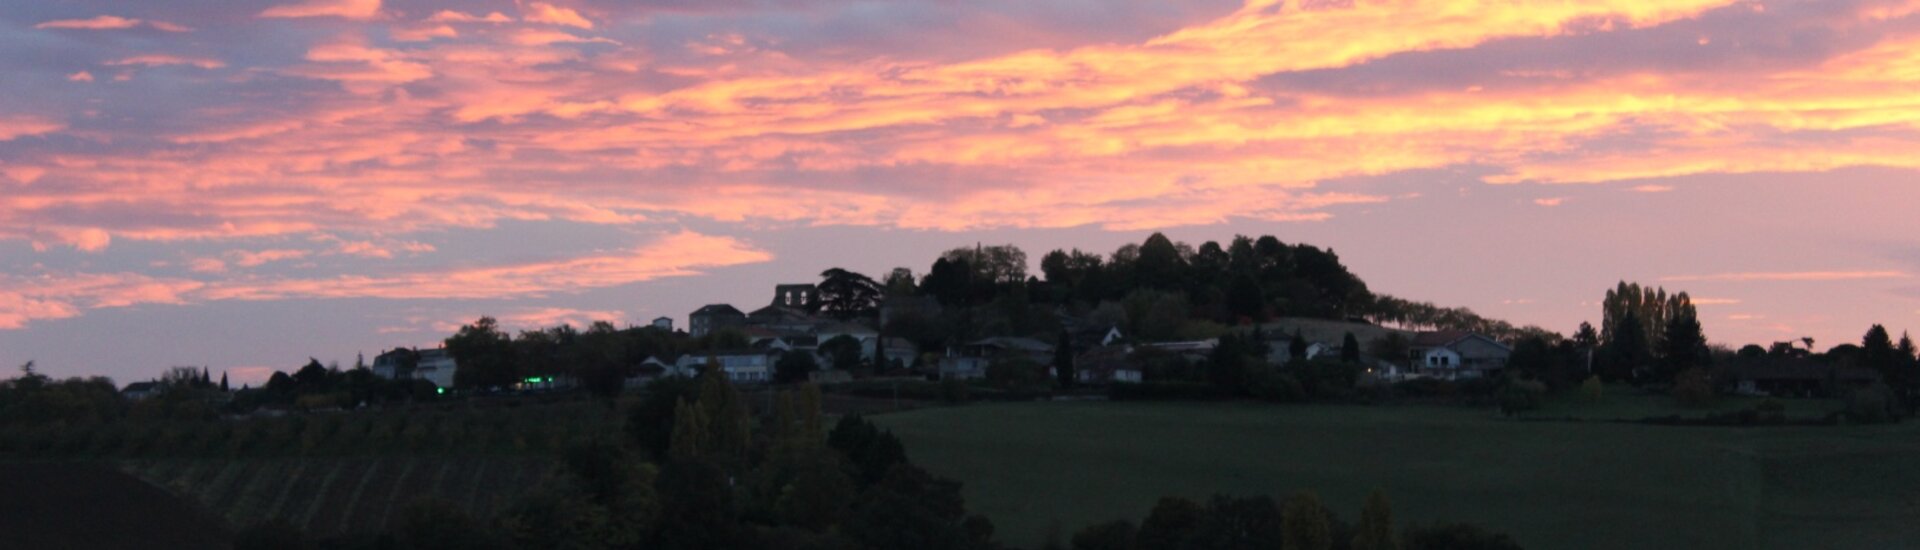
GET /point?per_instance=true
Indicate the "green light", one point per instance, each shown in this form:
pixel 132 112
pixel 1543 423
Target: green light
pixel 441 391
pixel 533 380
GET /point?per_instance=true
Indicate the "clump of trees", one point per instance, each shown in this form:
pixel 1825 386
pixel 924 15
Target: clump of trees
pixel 707 471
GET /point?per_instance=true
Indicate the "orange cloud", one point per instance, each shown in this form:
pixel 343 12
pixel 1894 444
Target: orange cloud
pixel 351 9
pixel 542 12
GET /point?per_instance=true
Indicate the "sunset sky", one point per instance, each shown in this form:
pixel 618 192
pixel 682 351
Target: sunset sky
pixel 243 184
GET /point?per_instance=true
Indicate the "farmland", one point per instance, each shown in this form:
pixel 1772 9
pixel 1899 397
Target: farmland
pixel 334 473
pixel 1041 468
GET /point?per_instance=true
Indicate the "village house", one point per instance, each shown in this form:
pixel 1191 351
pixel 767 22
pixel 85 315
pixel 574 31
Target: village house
pixel 1797 377
pixel 713 317
pixel 1107 365
pixel 1457 354
pixel 972 359
pixel 394 363
pixel 663 323
pixel 436 366
pixel 740 366
pixel 141 390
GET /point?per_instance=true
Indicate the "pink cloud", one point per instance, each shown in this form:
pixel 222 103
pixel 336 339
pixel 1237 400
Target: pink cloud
pixel 24 299
pixel 153 60
pixel 1550 202
pixel 542 12
pixel 80 76
pixel 244 258
pixel 1651 188
pixel 103 22
pixel 29 298
pixel 13 126
pixel 680 254
pixel 110 22
pixel 351 9
pixel 423 34
pixel 450 16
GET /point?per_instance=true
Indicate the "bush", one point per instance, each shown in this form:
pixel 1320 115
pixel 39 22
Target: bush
pixel 1593 390
pixel 1771 410
pixel 1267 385
pixel 953 391
pixel 1521 395
pixel 1871 405
pixel 1425 387
pixel 1693 388
pixel 1112 535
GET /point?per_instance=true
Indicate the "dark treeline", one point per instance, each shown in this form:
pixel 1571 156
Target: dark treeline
pixel 1157 290
pixel 695 467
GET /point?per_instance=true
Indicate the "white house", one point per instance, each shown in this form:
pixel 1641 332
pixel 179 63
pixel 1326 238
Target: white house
pixel 741 367
pixel 436 366
pixel 1457 354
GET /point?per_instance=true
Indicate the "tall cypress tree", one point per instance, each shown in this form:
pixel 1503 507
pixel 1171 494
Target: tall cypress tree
pixel 1682 345
pixel 1350 349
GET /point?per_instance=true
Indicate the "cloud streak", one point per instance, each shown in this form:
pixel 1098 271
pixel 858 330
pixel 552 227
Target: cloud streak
pixel 65 295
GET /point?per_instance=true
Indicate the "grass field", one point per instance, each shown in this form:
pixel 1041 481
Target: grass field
pixel 1036 468
pixel 1626 403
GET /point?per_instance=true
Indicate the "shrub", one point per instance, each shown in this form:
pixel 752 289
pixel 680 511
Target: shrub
pixel 953 391
pixel 1520 396
pixel 1871 405
pixel 1593 390
pixel 1693 388
pixel 1267 385
pixel 1426 387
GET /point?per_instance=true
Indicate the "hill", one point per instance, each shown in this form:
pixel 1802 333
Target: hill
pixel 46 505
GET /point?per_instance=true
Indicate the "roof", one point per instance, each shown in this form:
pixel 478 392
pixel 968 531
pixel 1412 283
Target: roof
pixel 1014 343
pixel 717 309
pixel 845 328
pixel 1438 338
pixel 779 311
pixel 1447 338
pixel 141 387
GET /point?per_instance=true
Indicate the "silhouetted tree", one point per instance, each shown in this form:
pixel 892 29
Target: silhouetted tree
pixel 846 295
pixel 1063 367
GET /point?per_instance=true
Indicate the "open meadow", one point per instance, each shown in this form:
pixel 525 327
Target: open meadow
pixel 1038 469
